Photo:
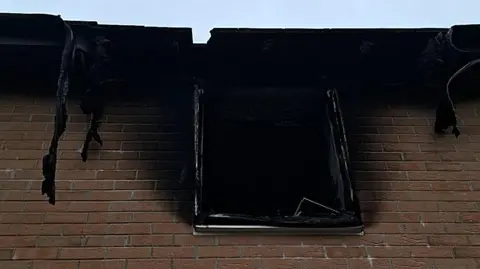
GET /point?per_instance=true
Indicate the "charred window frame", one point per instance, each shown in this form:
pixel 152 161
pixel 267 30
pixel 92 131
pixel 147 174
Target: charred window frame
pixel 344 219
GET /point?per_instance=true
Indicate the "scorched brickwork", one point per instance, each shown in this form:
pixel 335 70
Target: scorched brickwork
pixel 127 209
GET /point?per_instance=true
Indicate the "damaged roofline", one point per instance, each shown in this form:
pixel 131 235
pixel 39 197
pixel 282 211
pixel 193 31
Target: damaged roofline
pixel 231 55
pixel 94 24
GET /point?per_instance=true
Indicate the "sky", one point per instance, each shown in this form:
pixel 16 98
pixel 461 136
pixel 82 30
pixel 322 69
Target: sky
pixel 203 15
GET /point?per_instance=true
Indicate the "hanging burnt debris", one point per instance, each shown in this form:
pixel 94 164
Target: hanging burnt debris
pixel 50 160
pixel 41 43
pixel 89 61
pixel 99 76
pixel 450 62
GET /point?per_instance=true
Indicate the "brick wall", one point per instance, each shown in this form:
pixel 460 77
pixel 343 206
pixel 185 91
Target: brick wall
pixel 126 209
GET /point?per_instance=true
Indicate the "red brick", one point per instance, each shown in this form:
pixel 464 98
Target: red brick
pixel 194 264
pixel 431 252
pixel 346 252
pixel 474 240
pixel 191 240
pixel 228 263
pixel 402 240
pixel 415 206
pixel 128 252
pixel 173 252
pixel 389 252
pixel 151 240
pixel 85 229
pixel 171 228
pixel 467 252
pixel 149 264
pixel 92 185
pixel 106 241
pixel 400 147
pixel 398 129
pixel 6 184
pixel 17 241
pixel 35 253
pixel 244 240
pixel 373 138
pixel 223 251
pixel 55 264
pixel 436 147
pixel 281 264
pixel 155 217
pixel 106 264
pixel 412 263
pixel 290 251
pixel 418 191
pixel 17 265
pixel 421 156
pixel 59 241
pixel 410 122
pixel 406 166
pixel 83 253
pixel 6 254
pixel 87 206
pixel 65 218
pixel 447 240
pixel 383 156
pixel 368 263
pixel 22 218
pixel 110 217
pixel 439 217
pixel 455 263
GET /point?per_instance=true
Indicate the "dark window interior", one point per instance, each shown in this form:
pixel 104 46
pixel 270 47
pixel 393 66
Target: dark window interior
pixel 265 150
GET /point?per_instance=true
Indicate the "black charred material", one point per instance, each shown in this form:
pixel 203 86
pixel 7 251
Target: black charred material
pixel 447 61
pixel 92 134
pixel 245 142
pixel 445 117
pixel 301 133
pixel 93 102
pixel 49 160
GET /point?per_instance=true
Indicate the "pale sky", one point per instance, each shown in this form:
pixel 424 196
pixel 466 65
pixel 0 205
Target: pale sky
pixel 202 15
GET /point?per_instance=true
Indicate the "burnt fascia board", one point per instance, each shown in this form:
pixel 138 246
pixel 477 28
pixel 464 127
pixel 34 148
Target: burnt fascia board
pixel 236 54
pixel 182 35
pixel 224 35
pixel 220 32
pixel 25 29
pixel 160 53
pixel 31 46
pixel 22 30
